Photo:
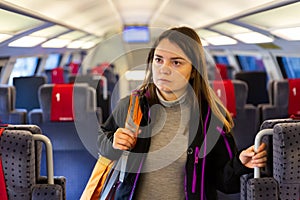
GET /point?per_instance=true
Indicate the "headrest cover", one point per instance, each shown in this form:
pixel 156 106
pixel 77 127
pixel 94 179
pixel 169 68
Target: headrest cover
pixel 294 97
pixel 221 72
pixel 57 75
pixel 62 103
pixel 225 91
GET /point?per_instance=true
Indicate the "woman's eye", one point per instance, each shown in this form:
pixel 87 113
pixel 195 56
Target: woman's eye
pixel 176 63
pixel 158 60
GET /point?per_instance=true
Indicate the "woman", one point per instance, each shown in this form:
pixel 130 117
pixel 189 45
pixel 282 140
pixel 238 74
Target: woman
pixel 184 148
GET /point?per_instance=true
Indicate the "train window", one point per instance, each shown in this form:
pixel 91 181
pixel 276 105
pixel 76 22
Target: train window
pixel 221 60
pixel 250 63
pixel 24 67
pixel 289 66
pixel 53 61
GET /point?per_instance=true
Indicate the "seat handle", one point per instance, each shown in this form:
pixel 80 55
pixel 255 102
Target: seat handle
pixel 257 143
pixel 49 155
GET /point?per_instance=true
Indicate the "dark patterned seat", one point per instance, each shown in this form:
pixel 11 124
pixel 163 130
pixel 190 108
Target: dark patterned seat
pixel 21 147
pixel 284 182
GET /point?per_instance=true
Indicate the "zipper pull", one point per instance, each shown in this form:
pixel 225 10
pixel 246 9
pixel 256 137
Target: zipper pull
pixel 196 155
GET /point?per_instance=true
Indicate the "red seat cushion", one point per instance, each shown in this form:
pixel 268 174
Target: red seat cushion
pixel 62 103
pixel 225 91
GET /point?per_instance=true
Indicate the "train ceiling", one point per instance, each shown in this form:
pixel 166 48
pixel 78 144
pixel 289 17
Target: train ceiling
pixel 90 20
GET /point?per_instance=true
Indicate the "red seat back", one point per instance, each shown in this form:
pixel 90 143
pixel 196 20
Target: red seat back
pixel 294 97
pixel 62 103
pixel 57 75
pixel 225 91
pixel 221 72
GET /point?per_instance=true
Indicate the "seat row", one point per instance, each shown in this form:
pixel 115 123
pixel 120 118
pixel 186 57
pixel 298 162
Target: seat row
pixel 285 102
pixel 69 117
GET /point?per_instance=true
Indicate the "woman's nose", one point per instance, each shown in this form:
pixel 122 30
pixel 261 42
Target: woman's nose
pixel 165 68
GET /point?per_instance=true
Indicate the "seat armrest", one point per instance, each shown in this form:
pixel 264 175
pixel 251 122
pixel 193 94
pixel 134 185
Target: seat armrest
pixel 47 191
pixel 35 116
pixel 58 180
pixel 18 116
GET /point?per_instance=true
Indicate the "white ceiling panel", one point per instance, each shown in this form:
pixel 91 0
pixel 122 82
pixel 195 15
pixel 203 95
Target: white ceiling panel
pixel 101 17
pixel 15 23
pixel 282 17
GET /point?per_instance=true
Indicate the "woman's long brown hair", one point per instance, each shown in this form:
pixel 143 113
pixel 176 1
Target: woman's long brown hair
pixel 188 40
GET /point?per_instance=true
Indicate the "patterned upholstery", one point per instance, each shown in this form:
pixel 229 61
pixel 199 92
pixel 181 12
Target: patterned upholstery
pixel 20 159
pixel 268 140
pixel 262 189
pixel 42 191
pixel 284 182
pixel 286 159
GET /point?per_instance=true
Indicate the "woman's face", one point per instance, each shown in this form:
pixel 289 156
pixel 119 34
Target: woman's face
pixel 171 70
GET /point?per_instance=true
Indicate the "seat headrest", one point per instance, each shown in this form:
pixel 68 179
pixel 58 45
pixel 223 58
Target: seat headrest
pixel 57 75
pixel 294 97
pixel 225 91
pixel 62 103
pixel 80 99
pixel 7 98
pixel 221 72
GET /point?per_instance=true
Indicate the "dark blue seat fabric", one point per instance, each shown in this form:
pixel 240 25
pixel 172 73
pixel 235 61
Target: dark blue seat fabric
pixel 27 91
pixel 257 85
pixel 74 142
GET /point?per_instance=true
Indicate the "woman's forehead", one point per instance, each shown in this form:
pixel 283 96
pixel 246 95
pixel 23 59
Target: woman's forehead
pixel 170 49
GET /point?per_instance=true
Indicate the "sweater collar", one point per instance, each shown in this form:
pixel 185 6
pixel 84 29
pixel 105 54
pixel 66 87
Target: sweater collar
pixel 171 103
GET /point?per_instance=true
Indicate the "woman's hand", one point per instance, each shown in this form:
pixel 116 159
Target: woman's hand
pixel 124 139
pixel 251 159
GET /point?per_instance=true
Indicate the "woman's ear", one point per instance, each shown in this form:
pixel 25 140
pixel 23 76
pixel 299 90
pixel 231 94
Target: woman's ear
pixel 193 74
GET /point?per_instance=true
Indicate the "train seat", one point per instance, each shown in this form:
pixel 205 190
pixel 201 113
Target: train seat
pixel 21 147
pixel 103 95
pixel 68 117
pixel 245 116
pixel 8 113
pixel 27 91
pixel 221 72
pixel 257 86
pixel 284 183
pixel 286 100
pixel 57 75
